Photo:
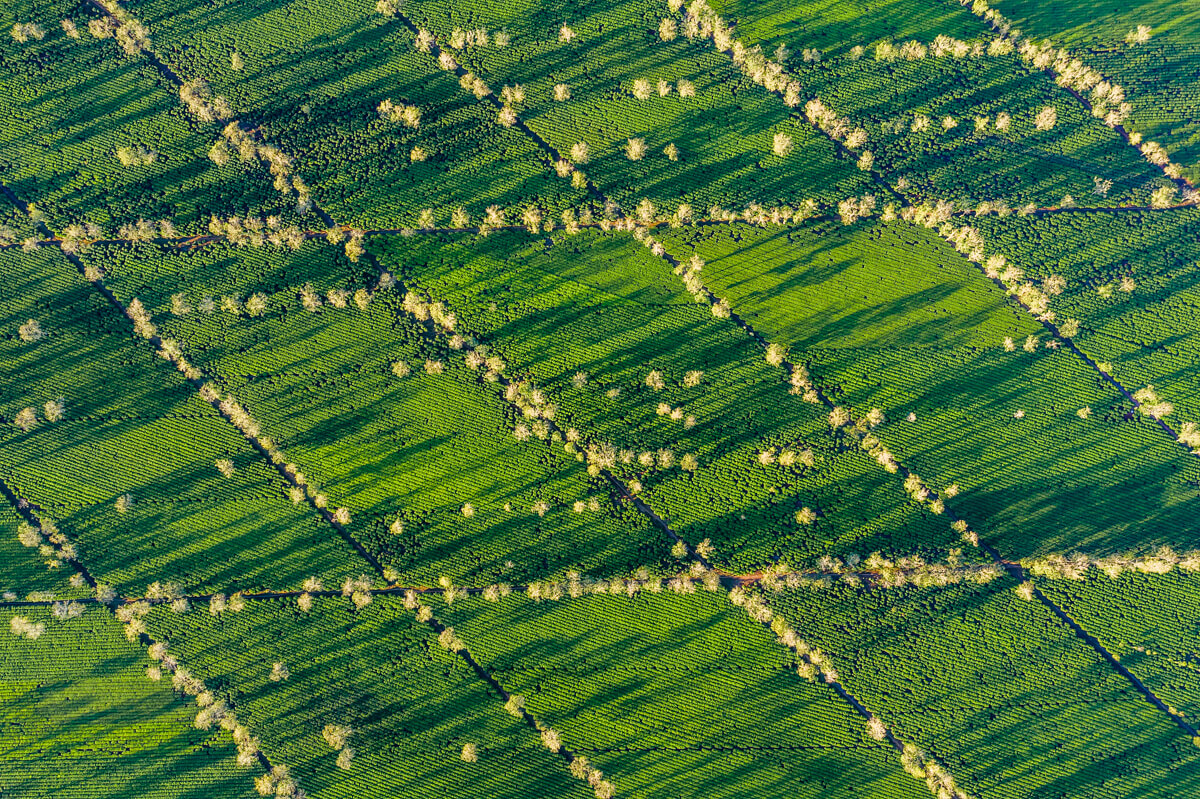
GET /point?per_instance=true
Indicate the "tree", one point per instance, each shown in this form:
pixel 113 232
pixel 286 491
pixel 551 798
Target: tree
pixel 641 89
pixel 667 29
pixel 781 144
pixel 26 419
pixel 23 627
pixel 1150 405
pixel 1046 118
pixel 31 331
pixel 1139 35
pixel 562 92
pixel 513 95
pixel 336 735
pixel 579 152
pixel 515 705
pixel 345 758
pixel 551 740
pixel 24 31
pixel 470 754
pixel 565 35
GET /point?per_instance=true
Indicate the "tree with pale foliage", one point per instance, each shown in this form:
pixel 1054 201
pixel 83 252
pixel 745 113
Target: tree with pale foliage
pixel 24 628
pixel 26 419
pixel 566 35
pixel 641 89
pixel 1150 405
pixel 635 149
pixel 781 144
pixel 31 331
pixel 515 705
pixel 336 735
pixel 24 31
pixel 470 753
pixel 1046 119
pixel 1139 35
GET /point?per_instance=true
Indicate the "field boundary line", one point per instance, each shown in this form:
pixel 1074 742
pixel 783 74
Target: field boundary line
pixel 186 243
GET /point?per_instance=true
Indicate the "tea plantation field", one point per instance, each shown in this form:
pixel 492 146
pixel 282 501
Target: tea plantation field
pixel 628 398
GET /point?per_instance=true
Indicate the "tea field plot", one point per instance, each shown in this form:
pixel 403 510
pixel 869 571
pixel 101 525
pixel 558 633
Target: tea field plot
pixel 1149 621
pixel 426 462
pixel 412 705
pixel 650 691
pixel 73 108
pixel 312 77
pixel 921 113
pixel 997 688
pixel 722 126
pixel 1130 281
pixel 1157 74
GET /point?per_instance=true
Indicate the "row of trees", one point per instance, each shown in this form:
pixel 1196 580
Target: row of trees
pixel 52 411
pixel 642 89
pixel 1077 565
